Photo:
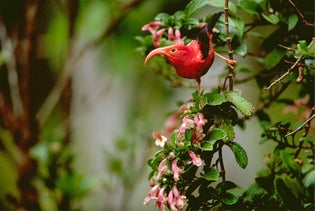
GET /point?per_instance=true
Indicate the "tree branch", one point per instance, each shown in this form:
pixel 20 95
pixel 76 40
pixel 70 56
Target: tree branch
pixel 229 43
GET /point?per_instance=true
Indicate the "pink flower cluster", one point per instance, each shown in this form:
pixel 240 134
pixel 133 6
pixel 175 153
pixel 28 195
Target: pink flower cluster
pixel 154 29
pixel 197 124
pixel 173 198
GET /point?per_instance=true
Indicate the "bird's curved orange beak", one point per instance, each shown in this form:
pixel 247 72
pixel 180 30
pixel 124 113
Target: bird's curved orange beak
pixel 158 51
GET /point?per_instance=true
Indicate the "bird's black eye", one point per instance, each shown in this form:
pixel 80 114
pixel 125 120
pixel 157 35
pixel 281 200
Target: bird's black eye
pixel 173 50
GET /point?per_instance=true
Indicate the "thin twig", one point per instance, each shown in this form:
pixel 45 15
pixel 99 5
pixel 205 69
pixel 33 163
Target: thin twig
pixel 222 168
pixel 307 122
pixel 229 43
pixel 301 15
pixel 290 68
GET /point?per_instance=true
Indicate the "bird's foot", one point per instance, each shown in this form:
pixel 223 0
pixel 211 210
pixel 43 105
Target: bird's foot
pixel 230 62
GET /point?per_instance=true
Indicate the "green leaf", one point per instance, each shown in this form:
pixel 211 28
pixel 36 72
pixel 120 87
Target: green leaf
pixel 242 49
pixel 288 160
pixel 217 134
pixel 292 21
pixel 229 198
pixel 272 18
pixel 211 174
pixel 273 58
pixel 250 6
pixel 207 145
pixel 285 194
pixel 228 128
pixel 220 4
pixel 193 6
pixel 240 103
pixel 239 26
pixel 213 99
pixel 239 154
pixel 309 179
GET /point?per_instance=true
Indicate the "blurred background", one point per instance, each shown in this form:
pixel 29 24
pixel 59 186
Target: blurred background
pixel 78 105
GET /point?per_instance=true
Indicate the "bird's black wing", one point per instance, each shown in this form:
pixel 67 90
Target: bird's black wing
pixel 203 37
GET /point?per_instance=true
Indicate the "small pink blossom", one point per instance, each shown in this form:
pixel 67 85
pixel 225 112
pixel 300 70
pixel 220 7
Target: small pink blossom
pixel 175 170
pixel 187 123
pixel 151 194
pixel 180 200
pixel 162 169
pixel 171 201
pixel 161 199
pixel 160 140
pixel 195 160
pixel 157 36
pixel 178 38
pixel 170 32
pixel 200 121
pixel 152 27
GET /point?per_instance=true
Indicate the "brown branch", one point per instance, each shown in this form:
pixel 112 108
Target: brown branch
pixel 290 68
pixel 301 15
pixel 304 125
pixel 229 43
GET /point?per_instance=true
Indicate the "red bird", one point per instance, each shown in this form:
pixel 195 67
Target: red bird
pixel 193 60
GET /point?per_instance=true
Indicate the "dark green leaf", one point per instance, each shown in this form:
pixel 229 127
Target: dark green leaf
pixel 220 4
pixel 272 18
pixel 285 194
pixel 211 174
pixel 239 26
pixel 250 6
pixel 239 154
pixel 240 103
pixel 292 21
pixel 229 198
pixel 273 58
pixel 207 146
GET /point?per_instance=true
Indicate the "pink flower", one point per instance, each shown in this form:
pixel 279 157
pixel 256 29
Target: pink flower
pixel 200 122
pixel 178 38
pixel 161 199
pixel 152 27
pixel 195 160
pixel 162 169
pixel 187 123
pixel 157 36
pixel 170 32
pixel 176 170
pixel 180 200
pixel 151 194
pixel 171 201
pixel 160 140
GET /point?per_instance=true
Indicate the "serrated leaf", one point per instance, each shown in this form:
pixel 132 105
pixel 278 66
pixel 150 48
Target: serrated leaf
pixel 272 18
pixel 211 175
pixel 292 21
pixel 273 58
pixel 214 99
pixel 228 128
pixel 207 145
pixel 193 6
pixel 217 134
pixel 239 154
pixel 240 103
